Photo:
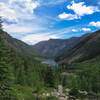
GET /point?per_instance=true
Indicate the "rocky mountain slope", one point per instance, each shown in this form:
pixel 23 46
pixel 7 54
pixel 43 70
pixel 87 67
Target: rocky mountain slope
pixel 85 50
pixel 55 47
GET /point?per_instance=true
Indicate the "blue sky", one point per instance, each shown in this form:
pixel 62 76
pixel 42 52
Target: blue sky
pixel 33 21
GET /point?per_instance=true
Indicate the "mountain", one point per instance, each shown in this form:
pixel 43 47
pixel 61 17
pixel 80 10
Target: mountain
pixel 85 50
pixel 19 46
pixel 22 76
pixel 55 47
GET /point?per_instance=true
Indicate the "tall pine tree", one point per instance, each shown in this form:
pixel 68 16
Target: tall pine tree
pixel 4 68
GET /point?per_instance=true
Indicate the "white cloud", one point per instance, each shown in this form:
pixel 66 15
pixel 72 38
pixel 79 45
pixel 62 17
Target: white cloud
pixel 18 9
pixel 96 24
pixel 67 16
pixel 31 5
pixel 23 29
pixel 27 4
pixel 54 34
pixel 83 29
pixel 74 30
pixel 7 13
pixel 86 29
pixel 81 9
pixel 20 15
pixel 35 38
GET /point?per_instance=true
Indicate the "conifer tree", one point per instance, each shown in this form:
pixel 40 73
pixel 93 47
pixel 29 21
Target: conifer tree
pixel 49 77
pixel 4 68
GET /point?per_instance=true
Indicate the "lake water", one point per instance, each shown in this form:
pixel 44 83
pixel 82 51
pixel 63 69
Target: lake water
pixel 50 62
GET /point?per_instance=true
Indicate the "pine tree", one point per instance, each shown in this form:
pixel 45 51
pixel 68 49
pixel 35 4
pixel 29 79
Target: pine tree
pixel 4 68
pixel 50 78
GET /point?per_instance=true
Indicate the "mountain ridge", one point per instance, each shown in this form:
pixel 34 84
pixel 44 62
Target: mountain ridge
pixel 87 49
pixel 55 47
pixel 18 45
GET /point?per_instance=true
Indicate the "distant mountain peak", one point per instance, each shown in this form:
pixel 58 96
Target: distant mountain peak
pixel 54 47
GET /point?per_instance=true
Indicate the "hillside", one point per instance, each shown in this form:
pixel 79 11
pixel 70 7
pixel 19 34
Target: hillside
pixel 55 47
pixel 85 50
pixel 21 76
pixel 19 46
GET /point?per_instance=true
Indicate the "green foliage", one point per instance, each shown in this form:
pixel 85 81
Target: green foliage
pixel 5 72
pixel 21 75
pixel 86 76
pixel 49 77
pixel 23 72
pixel 74 91
pixel 90 79
pixel 52 98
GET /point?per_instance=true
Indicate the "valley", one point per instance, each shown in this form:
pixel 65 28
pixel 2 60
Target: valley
pixel 65 70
